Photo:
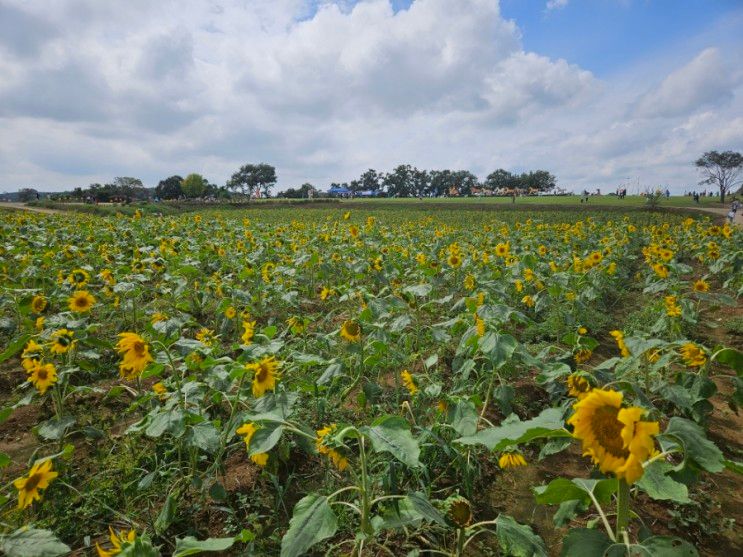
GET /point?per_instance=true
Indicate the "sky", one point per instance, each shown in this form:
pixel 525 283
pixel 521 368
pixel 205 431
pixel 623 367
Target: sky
pixel 602 93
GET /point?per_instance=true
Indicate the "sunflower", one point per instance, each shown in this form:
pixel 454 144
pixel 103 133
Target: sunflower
pixel 479 325
pixel 459 511
pixel 62 341
pixel 136 354
pixel 614 437
pixel 578 385
pixel 42 376
pixel 502 250
pixel 205 336
pixel 511 460
pixel 408 382
pixel 38 478
pixel 325 293
pixel 230 312
pixel 672 308
pixel 78 278
pixel 351 331
pixel 38 304
pixel 246 431
pixel 582 356
pixel 693 355
pixel 582 330
pixel 31 354
pixel 321 443
pixel 454 261
pixel 118 542
pixel 264 375
pixel 248 331
pixel 353 230
pixel 701 286
pixel 81 301
pixel 160 390
pixel 528 301
pixel 660 270
pixel 619 337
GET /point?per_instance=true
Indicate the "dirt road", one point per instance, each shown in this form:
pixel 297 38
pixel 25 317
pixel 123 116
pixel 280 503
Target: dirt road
pixel 24 207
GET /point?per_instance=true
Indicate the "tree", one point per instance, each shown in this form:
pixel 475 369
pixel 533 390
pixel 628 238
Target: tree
pixel 27 194
pixel 539 180
pixel 501 180
pixel 194 185
pixel 370 180
pixel 253 177
pixel 464 181
pixel 722 169
pixel 170 188
pixel 127 187
pixel 399 182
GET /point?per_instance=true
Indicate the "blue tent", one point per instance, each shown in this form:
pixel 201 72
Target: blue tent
pixel 339 191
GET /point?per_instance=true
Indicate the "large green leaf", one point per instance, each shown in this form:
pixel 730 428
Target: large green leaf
pixel 656 483
pixel 265 438
pixel 578 489
pixel 518 540
pixel 463 417
pixel 548 423
pixel 191 546
pixel 204 436
pixel 32 542
pixel 728 356
pixel 313 521
pixel 697 448
pixel 582 542
pixel 655 546
pixel 14 347
pixel 411 509
pixel 392 434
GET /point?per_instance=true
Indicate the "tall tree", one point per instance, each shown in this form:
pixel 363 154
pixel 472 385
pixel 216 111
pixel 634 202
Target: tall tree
pixel 399 182
pixel 170 188
pixel 252 178
pixel 722 169
pixel 128 187
pixel 501 179
pixel 370 180
pixel 194 185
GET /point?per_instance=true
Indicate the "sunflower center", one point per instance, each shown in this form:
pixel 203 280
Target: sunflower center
pixel 64 340
pixel 608 431
pixel 139 347
pixel 261 374
pixel 32 481
pixel 42 374
pixel 352 329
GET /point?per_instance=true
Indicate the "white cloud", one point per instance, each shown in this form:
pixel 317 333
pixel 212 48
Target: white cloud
pixel 324 90
pixel 556 4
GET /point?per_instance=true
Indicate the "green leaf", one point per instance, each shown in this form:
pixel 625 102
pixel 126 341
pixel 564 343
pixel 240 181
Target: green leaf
pixel 734 466
pixel 13 349
pixel 32 542
pixel 191 546
pixel 582 542
pixel 518 540
pixel 312 521
pixel 5 413
pixel 658 485
pixel 580 489
pixel 4 460
pixel 548 423
pixel 729 357
pixel 697 448
pixel 142 547
pixel 167 514
pixel 54 428
pixel 463 417
pixel 170 421
pixel 204 436
pixel 265 438
pixel 392 434
pixel 411 509
pixel 419 290
pixel 661 546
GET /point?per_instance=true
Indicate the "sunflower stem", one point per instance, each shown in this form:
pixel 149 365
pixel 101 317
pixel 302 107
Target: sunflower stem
pixel 622 508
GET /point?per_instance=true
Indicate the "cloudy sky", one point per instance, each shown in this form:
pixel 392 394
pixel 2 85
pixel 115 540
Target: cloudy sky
pixel 600 92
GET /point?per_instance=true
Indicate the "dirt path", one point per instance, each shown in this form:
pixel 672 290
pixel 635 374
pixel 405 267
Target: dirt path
pixel 723 212
pixel 24 207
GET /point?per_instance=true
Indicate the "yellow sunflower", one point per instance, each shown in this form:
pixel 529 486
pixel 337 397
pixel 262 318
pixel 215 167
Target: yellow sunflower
pixel 81 301
pixel 264 375
pixel 693 355
pixel 502 250
pixel 62 341
pixel 528 301
pixel 578 385
pixel 614 437
pixel 248 331
pixel 247 430
pixel 511 460
pixel 230 313
pixel 701 286
pixel 38 478
pixel 31 354
pixel 118 542
pixel 38 304
pixel 135 354
pixel 408 381
pixel 321 443
pixel 78 278
pixel 42 376
pixel 351 331
pixel 582 356
pixel 454 261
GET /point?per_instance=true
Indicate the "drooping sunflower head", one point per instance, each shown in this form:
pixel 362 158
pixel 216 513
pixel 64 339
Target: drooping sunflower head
pixel 578 385
pixel 248 331
pixel 62 341
pixel 119 541
pixel 81 301
pixel 459 511
pixel 693 355
pixel 351 331
pixel 511 460
pixel 614 437
pixel 264 375
pixel 408 381
pixel 327 446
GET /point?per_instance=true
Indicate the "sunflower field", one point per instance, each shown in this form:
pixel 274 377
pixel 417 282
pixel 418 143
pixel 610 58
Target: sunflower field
pixel 373 381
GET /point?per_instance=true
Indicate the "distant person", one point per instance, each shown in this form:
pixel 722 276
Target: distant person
pixel 668 193
pixel 696 198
